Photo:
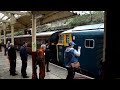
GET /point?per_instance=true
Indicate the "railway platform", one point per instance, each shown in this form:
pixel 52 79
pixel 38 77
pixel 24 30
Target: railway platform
pixel 56 72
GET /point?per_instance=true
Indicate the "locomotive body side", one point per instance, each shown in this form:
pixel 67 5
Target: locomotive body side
pixel 91 42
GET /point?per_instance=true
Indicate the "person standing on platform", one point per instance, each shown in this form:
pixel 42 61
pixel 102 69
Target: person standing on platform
pixel 47 57
pixel 7 47
pixel 41 61
pixel 71 59
pixel 24 56
pixel 12 57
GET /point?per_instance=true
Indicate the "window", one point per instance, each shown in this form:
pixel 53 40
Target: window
pixel 67 38
pixel 1 15
pixel 89 43
pixel 61 39
pixel 4 18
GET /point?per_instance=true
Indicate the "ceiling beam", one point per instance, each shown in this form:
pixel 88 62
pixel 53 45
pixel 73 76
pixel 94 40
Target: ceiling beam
pixel 50 14
pixel 57 16
pixel 18 12
pixel 22 23
pixel 2 17
pixel 25 19
pixel 4 21
pixel 5 14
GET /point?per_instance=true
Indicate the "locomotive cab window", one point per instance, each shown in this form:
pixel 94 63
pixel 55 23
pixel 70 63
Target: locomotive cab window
pixel 67 38
pixel 89 43
pixel 61 39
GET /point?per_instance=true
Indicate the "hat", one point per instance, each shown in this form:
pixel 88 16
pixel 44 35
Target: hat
pixel 71 43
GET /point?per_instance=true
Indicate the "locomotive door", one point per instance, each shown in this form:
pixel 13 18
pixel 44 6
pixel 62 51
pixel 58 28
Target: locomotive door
pixel 61 46
pixel 60 53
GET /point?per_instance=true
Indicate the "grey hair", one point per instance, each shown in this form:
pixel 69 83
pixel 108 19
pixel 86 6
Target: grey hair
pixel 43 45
pixel 11 44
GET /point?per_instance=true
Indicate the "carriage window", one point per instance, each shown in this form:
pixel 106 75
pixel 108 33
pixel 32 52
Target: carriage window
pixel 67 38
pixel 61 39
pixel 89 43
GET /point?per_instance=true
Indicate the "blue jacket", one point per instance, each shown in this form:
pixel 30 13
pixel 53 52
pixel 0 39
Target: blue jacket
pixel 23 53
pixel 69 56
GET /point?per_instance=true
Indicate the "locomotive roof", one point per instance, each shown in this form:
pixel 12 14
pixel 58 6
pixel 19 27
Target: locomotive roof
pixel 86 28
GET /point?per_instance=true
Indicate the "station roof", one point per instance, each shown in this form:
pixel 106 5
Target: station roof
pixel 24 18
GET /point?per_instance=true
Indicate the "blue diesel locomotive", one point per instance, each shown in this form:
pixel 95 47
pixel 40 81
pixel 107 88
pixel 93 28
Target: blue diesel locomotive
pixel 91 39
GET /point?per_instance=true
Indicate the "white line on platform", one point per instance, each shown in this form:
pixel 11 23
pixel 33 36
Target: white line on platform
pixel 76 72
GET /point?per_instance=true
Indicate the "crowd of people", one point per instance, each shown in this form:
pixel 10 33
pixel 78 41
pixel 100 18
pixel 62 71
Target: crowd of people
pixel 42 59
pixel 42 62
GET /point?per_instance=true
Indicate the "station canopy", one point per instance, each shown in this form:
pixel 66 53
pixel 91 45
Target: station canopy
pixel 23 19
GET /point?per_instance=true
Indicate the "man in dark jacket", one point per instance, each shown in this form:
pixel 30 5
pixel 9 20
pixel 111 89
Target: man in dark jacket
pixel 47 57
pixel 12 57
pixel 23 55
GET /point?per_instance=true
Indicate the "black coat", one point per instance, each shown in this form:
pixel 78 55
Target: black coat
pixel 12 53
pixel 23 53
pixel 47 54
